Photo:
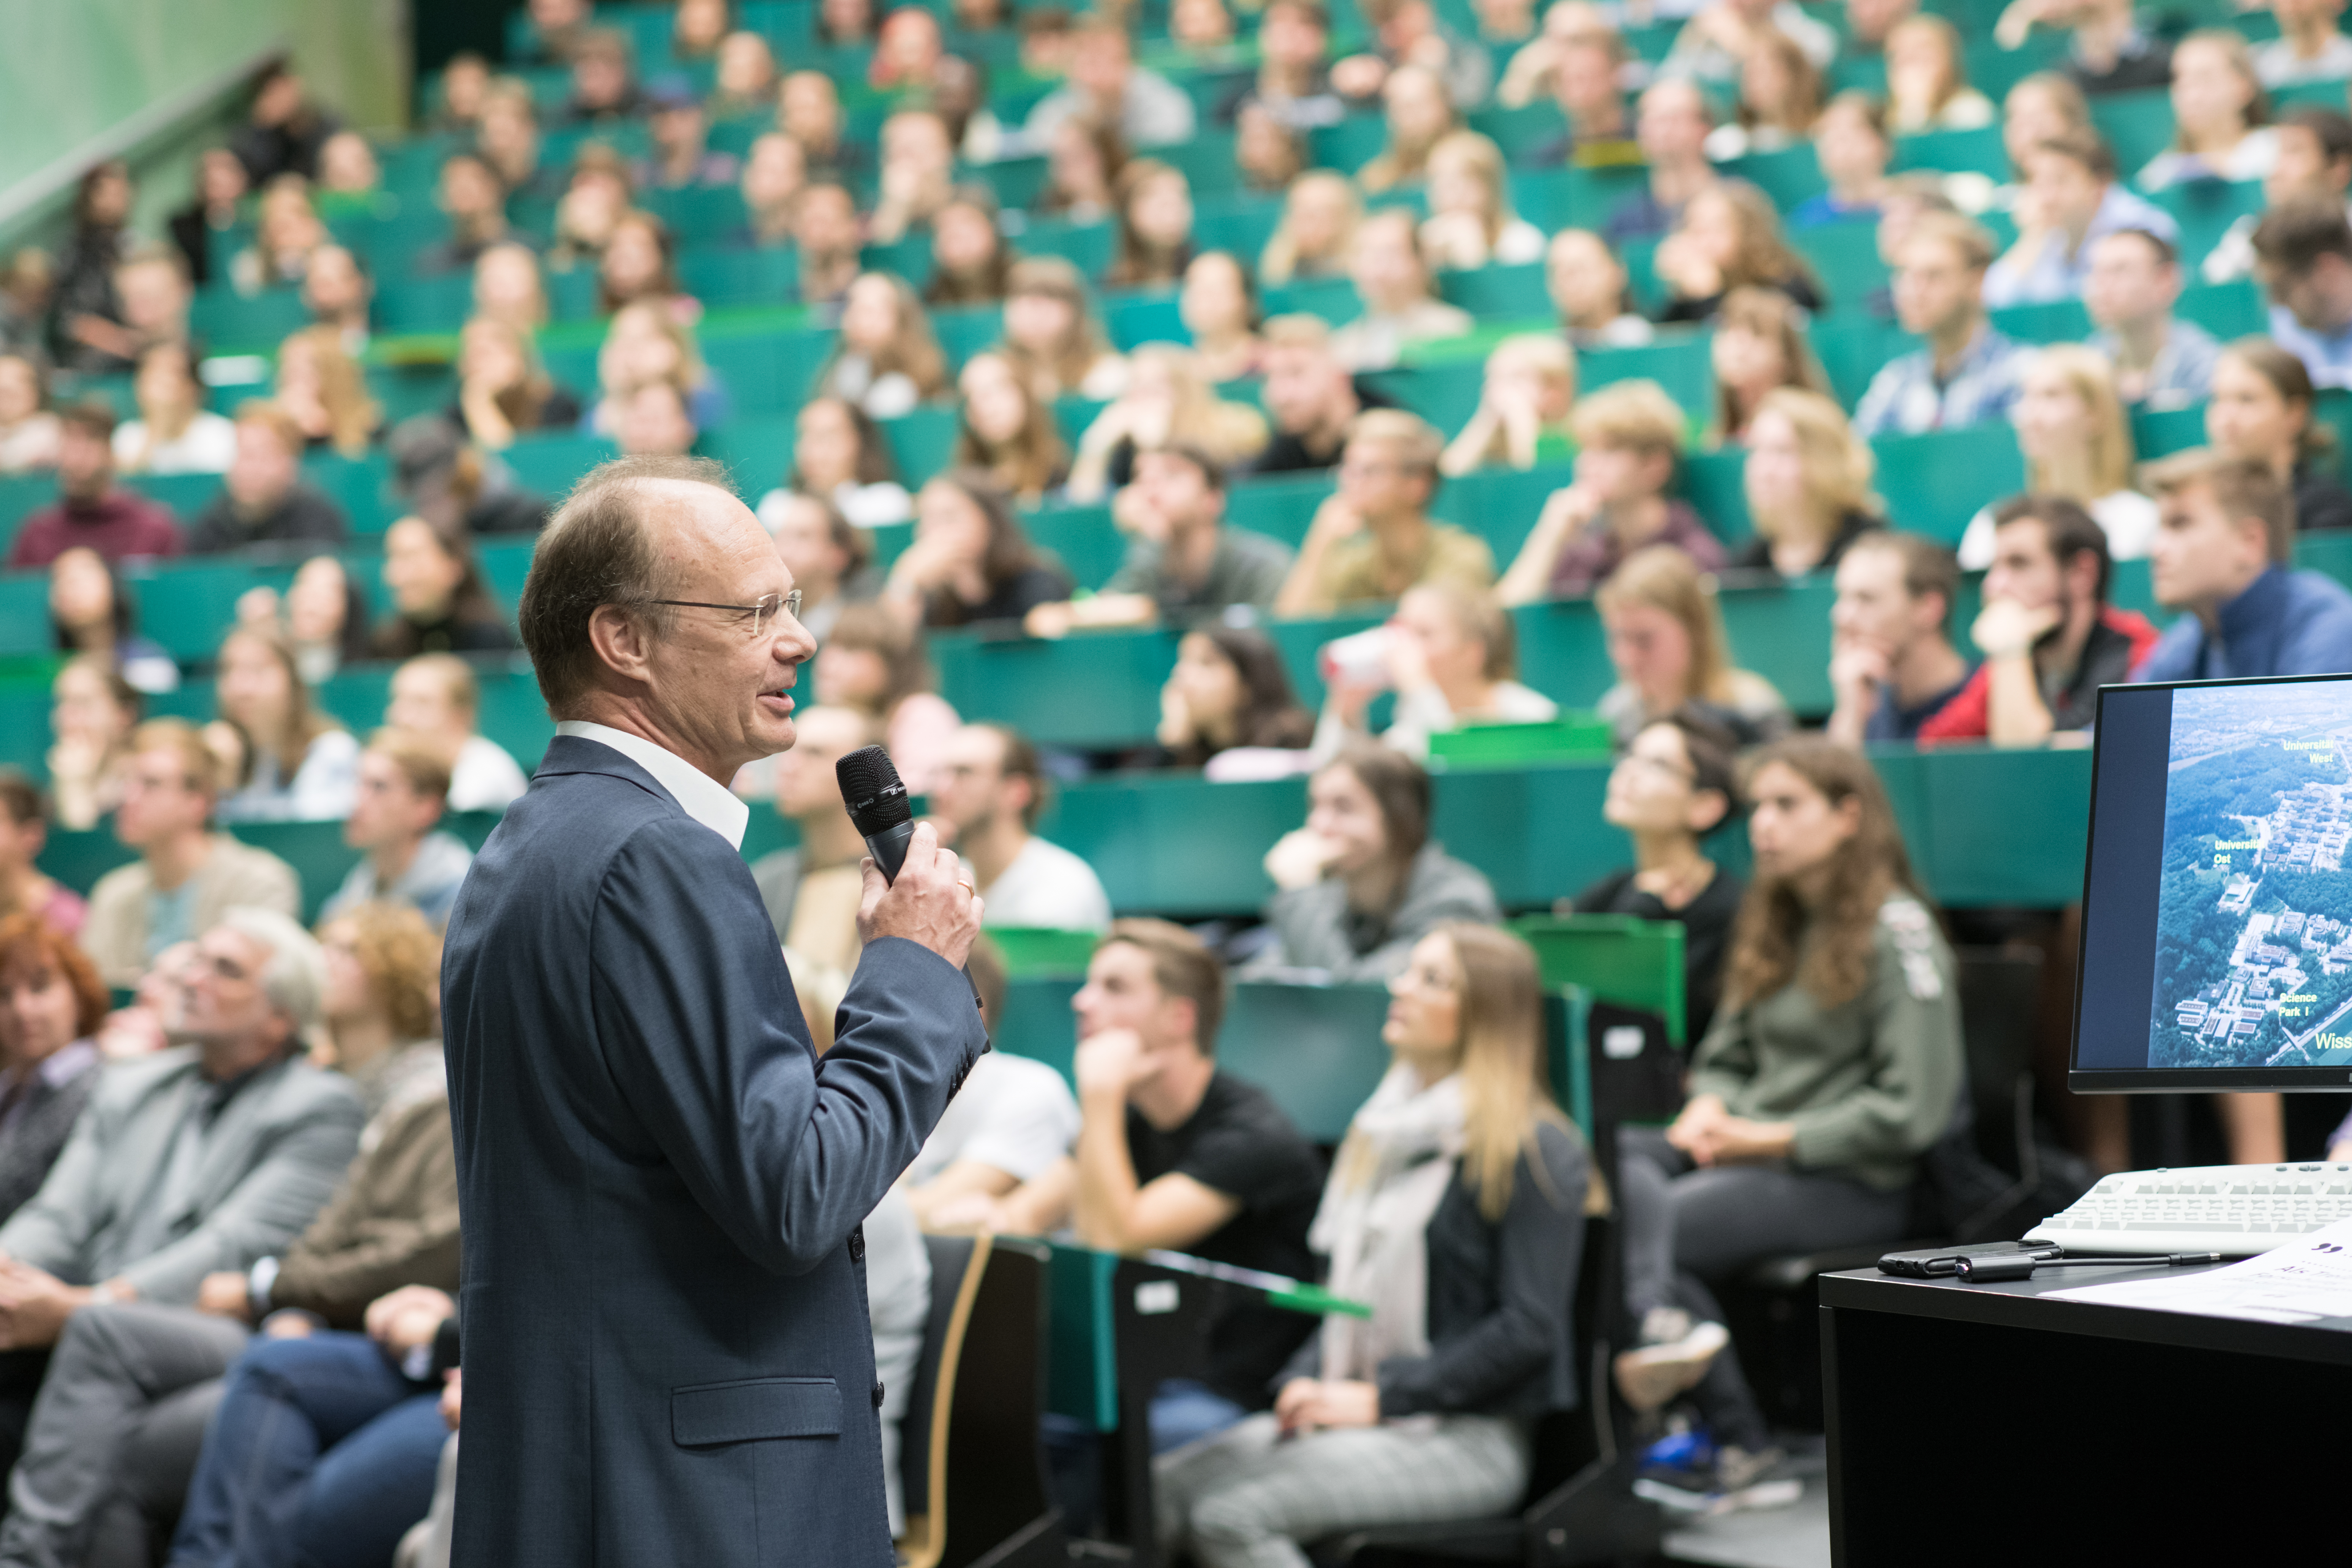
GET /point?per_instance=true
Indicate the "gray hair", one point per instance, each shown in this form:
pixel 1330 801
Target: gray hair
pixel 595 552
pixel 294 979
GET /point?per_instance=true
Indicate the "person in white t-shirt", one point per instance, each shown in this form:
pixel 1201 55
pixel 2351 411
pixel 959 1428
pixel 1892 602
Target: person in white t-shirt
pixel 435 695
pixel 986 797
pixel 2077 444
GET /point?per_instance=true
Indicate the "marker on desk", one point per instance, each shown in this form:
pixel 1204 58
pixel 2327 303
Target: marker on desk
pixel 1992 1269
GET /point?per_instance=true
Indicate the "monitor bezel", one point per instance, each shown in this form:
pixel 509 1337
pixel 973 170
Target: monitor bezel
pixel 2175 1080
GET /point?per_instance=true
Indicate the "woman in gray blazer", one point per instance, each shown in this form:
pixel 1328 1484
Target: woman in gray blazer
pixel 51 1001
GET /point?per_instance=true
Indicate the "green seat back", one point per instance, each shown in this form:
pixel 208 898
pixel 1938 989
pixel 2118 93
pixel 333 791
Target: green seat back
pixel 1632 962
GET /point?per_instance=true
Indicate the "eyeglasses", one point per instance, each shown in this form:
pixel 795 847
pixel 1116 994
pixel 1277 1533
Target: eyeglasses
pixel 761 615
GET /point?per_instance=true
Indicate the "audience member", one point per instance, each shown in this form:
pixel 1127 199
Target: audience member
pixel 1409 35
pixel 2077 444
pixel 1834 1063
pixel 683 158
pixel 654 419
pixel 1374 539
pixel 2049 638
pixel 436 698
pixel 1362 882
pixel 1854 146
pixel 603 80
pixel 2313 162
pixel 264 499
pixel 2302 256
pixel 831 558
pixel 1168 402
pixel 1455 1207
pixel 646 343
pixel 1672 124
pixel 151 285
pixel 1006 431
pixel 2108 53
pixel 1083 158
pixel 439 603
pixel 285 129
pixel 826 236
pixel 1928 79
pixel 509 142
pixel 503 389
pixel 85 319
pixel 1670 653
pixel 474 197
pixel 28 431
pixel 2262 410
pixel 1313 399
pixel 109 1226
pixel 174 433
pixel 774 176
pixel 874 663
pixel 213 210
pixel 1471 223
pixel 285 233
pixel 91 512
pixel 2311 45
pixel 1151 217
pixel 986 795
pixel 1966 372
pixel 1725 35
pixel 1228 693
pixel 917 175
pixel 1590 289
pixel 1051 335
pixel 1293 82
pixel 812 890
pixel 1587 69
pixel 1673 786
pixel 2219 110
pixel 1893 667
pixel 639 266
pixel 1728 236
pixel 508 288
pixel 1107 85
pixel 1184 566
pixel 407 859
pixel 24 889
pixel 91 613
pixel 320 388
pixel 2069 202
pixel 1174 1152
pixel 971 262
pixel 1525 407
pixel 2160 362
pixel 838 453
pixel 51 1004
pixel 1628 436
pixel 557 30
pixel 1449 654
pixel 970 562
pixel 1780 100
pixel 1807 477
pixel 2224 555
pixel 1760 347
pixel 304 764
pixel 1317 233
pixel 92 711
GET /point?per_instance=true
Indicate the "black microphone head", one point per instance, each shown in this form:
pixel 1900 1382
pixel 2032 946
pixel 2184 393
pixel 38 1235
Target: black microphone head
pixel 871 788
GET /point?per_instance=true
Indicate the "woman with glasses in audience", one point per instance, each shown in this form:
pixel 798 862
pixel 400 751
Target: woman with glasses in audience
pixel 1834 1065
pixel 1807 477
pixel 174 433
pixel 305 766
pixel 1456 1212
pixel 874 664
pixel 1168 402
pixel 439 603
pixel 2220 115
pixel 51 1004
pixel 886 359
pixel 91 613
pixel 1928 79
pixel 1450 653
pixel 1229 691
pixel 1153 214
pixel 1362 882
pixel 92 711
pixel 1759 346
pixel 2077 443
pixel 1670 653
pixel 1051 335
pixel 970 564
pixel 2261 408
pixel 1592 293
pixel 1317 231
pixel 1006 431
pixel 838 452
pixel 1674 784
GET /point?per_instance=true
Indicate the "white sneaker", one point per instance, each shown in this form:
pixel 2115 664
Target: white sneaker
pixel 1654 1374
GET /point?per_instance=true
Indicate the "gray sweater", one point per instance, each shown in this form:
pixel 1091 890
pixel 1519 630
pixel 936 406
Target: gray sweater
pixel 1315 930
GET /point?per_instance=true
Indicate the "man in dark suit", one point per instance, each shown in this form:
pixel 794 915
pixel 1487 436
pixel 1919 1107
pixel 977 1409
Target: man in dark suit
pixel 666 1347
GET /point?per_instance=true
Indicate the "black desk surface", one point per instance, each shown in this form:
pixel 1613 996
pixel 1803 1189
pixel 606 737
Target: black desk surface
pixel 2018 1304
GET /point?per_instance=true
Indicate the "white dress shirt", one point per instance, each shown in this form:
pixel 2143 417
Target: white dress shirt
pixel 702 797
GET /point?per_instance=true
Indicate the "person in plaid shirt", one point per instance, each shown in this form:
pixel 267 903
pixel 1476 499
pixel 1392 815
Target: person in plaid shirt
pixel 1967 374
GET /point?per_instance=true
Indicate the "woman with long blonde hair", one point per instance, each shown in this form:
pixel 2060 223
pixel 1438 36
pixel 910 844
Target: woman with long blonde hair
pixel 1808 478
pixel 1834 1065
pixel 1668 645
pixel 888 360
pixel 1317 230
pixel 2077 443
pixel 2221 112
pixel 1759 346
pixel 320 385
pixel 1456 1211
pixel 1471 222
pixel 1168 402
pixel 305 766
pixel 1928 79
pixel 1524 406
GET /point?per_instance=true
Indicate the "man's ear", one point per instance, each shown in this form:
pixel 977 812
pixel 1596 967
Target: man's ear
pixel 620 640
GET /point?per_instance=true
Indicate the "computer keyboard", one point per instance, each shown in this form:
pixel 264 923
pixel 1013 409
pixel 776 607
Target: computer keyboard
pixel 2234 1210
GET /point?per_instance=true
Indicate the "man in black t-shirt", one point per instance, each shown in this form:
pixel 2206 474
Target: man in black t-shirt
pixel 1310 395
pixel 1173 1153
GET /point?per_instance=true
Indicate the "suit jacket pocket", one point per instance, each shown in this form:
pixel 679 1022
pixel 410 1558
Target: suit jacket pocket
pixel 755 1408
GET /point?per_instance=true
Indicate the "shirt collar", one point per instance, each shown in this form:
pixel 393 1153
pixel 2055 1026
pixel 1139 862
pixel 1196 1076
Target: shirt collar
pixel 2260 606
pixel 696 793
pixel 61 1067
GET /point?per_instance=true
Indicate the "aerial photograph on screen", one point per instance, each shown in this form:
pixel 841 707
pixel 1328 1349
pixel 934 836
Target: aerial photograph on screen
pixel 2254 958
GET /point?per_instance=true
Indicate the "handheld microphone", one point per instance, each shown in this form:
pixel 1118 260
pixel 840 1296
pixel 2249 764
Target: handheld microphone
pixel 877 798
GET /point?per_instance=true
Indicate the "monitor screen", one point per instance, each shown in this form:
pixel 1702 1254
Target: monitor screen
pixel 2217 901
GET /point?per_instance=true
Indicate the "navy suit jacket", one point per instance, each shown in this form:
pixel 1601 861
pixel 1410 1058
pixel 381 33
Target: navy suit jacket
pixel 668 1353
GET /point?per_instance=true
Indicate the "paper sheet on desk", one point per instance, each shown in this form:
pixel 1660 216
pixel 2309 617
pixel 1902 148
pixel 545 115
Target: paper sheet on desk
pixel 2306 1279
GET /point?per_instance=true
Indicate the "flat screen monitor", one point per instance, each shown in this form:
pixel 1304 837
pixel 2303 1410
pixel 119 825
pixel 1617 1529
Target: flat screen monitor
pixel 2217 894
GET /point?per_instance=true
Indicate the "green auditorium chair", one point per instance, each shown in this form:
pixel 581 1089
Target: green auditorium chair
pixel 698 214
pixel 186 494
pixel 572 295
pixel 422 304
pixel 550 465
pixel 758 449
pixel 1446 394
pixel 1332 298
pixel 1521 132
pixel 2047 322
pixel 1241 224
pixel 968 330
pixel 1300 644
pixel 1017 181
pixel 1852 347
pixel 1500 505
pixel 1978 152
pixel 1715 485
pixel 748 275
pixel 1033 952
pixel 1083 538
pixel 1086 246
pixel 1677 362
pixel 2227 310
pixel 1845 256
pixel 1136 317
pixel 2138 125
pixel 1504 292
pixel 230 322
pixel 188 606
pixel 923 442
pixel 1632 962
pixel 1350 145
pixel 506 564
pixel 1934 483
pixel 2160 435
pixel 25 628
pixel 2206 208
pixel 1280 506
pixel 1789 176
pixel 1207 160
pixel 1078 691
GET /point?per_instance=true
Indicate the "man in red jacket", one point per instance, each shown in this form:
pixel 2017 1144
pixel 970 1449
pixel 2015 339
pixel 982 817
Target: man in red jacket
pixel 90 508
pixel 2049 638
